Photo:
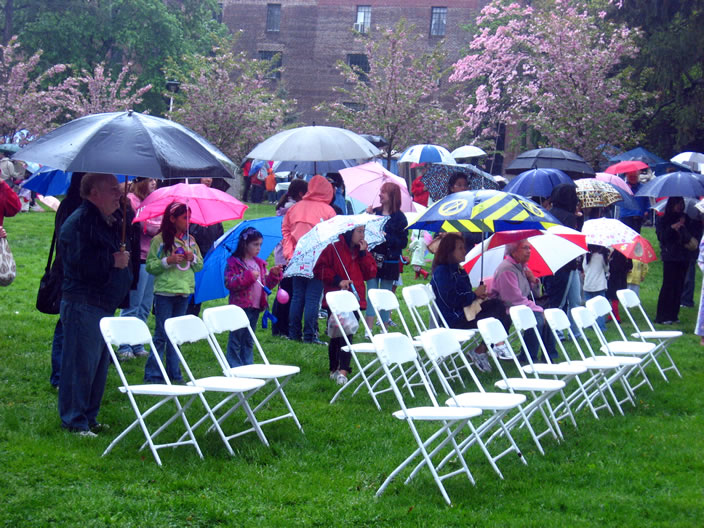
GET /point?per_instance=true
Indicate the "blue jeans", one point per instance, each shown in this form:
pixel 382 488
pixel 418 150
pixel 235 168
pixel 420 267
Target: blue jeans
pixel 165 307
pixel 381 284
pixel 601 321
pixel 240 344
pixel 545 334
pixel 84 365
pixel 304 304
pixel 56 349
pixel 141 299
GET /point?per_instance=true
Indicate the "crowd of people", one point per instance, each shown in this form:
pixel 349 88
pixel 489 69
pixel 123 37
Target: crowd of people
pixel 152 269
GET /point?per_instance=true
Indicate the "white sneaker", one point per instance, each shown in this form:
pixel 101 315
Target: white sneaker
pixel 333 375
pixel 502 352
pixel 481 361
pixel 341 379
pixel 37 208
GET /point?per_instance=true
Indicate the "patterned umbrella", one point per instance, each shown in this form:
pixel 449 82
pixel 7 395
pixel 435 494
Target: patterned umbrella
pixel 312 244
pixel 594 193
pixel 610 232
pixel 484 211
pixel 437 176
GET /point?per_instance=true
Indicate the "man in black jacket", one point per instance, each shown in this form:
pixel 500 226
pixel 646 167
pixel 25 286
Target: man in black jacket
pixel 97 278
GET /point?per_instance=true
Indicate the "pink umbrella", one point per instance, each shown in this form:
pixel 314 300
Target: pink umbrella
pixel 208 206
pixel 363 183
pixel 613 180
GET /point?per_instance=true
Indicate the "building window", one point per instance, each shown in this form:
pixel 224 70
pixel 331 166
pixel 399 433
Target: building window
pixel 359 63
pixel 364 19
pixel 275 58
pixel 273 17
pixel 438 21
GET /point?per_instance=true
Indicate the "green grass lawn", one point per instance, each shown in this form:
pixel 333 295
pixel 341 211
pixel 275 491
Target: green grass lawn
pixel 644 469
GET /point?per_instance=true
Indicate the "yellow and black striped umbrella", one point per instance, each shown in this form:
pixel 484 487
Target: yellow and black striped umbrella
pixel 484 210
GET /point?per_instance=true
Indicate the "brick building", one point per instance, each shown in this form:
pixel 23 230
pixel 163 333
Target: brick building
pixel 312 35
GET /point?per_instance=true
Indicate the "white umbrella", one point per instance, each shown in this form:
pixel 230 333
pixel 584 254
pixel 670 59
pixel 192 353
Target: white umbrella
pixel 314 143
pixel 691 159
pixel 467 151
pixel 426 154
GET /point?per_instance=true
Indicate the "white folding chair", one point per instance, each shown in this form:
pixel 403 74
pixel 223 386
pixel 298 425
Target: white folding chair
pixel 396 350
pixel 599 306
pixel 191 329
pixel 585 320
pixel 594 386
pixel 493 333
pixel 132 331
pixel 439 343
pixel 230 318
pixel 344 301
pixel 630 301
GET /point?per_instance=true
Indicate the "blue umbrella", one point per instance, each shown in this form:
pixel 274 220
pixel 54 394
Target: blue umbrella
pixel 537 182
pixel 210 281
pixel 54 182
pixel 313 167
pixel 426 154
pixel 665 166
pixel 638 154
pixel 673 184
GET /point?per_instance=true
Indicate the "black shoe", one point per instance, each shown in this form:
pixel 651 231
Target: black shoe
pixel 98 427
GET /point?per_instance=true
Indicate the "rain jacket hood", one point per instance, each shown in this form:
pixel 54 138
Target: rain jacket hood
pixel 319 190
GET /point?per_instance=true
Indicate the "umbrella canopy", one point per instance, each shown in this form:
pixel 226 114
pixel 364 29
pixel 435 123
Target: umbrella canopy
pixel 208 206
pixel 377 141
pixel 670 166
pixel 673 184
pixel 49 181
pixel 594 193
pixel 484 211
pixel 363 183
pixel 437 178
pixel 313 167
pixel 551 158
pixel 614 180
pixel 691 159
pixel 639 154
pixel 9 148
pixel 552 249
pixel 626 166
pixel 312 244
pixel 426 154
pixel 317 143
pixel 467 151
pixel 129 143
pixel 537 182
pixel 610 232
pixel 210 283
pixel 414 215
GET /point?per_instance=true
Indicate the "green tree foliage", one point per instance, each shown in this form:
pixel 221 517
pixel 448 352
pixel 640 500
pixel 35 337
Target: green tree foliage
pixel 146 33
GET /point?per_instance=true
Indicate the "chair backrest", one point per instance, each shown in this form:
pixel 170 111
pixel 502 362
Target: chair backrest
pixel 434 309
pixel 344 301
pixel 130 331
pixel 185 329
pixel 584 319
pixel 629 299
pixel 416 298
pixel 395 349
pixel 228 318
pixel 599 306
pixel 524 320
pixel 386 300
pixel 493 333
pixel 558 321
pixel 441 343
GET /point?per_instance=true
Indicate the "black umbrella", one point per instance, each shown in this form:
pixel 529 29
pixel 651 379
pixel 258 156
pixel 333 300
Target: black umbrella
pixel 551 158
pixel 129 143
pixel 377 141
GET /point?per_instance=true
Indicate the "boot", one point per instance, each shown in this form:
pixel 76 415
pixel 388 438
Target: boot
pixel 417 273
pixel 614 309
pixel 423 273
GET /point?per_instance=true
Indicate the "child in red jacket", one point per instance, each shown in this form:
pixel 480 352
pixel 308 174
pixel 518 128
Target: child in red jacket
pixel 345 265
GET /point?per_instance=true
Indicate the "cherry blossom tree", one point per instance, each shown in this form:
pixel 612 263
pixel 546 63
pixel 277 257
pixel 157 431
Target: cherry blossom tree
pixel 399 97
pixel 29 109
pixel 556 68
pixel 231 100
pixel 96 92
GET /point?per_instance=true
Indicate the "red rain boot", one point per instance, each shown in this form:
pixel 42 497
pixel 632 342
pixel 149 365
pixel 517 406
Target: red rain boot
pixel 423 273
pixel 614 309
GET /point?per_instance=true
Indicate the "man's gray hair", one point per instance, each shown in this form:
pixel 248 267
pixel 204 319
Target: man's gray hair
pixel 511 247
pixel 91 180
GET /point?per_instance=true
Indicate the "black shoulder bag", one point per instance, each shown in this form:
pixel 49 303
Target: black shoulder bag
pixel 49 294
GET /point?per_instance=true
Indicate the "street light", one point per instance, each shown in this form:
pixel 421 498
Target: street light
pixel 172 86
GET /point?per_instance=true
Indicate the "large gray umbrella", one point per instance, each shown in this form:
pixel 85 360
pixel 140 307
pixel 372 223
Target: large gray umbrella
pixel 129 143
pixel 314 143
pixel 551 158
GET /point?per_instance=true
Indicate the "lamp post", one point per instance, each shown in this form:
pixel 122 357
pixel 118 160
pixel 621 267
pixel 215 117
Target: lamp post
pixel 172 86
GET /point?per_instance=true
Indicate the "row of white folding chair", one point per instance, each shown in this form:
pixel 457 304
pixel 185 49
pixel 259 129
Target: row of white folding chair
pixel 230 318
pixel 395 351
pixel 541 390
pixel 132 331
